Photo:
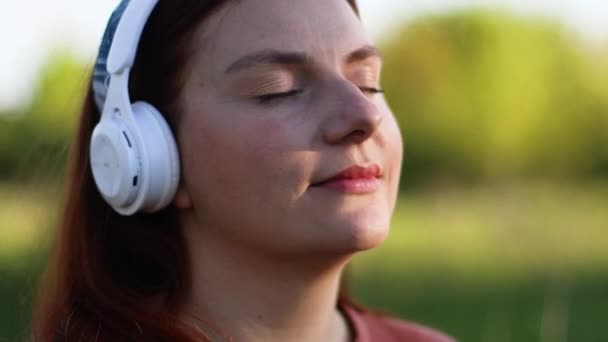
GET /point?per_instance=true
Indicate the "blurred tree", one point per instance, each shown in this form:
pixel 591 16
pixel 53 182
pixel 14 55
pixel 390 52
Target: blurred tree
pixel 34 140
pixel 484 96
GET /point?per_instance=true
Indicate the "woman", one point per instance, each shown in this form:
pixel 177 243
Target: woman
pixel 290 161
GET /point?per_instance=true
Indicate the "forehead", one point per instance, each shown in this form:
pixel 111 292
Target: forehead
pixel 326 30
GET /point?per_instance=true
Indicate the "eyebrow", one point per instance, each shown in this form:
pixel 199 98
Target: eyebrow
pixel 271 56
pixel 363 53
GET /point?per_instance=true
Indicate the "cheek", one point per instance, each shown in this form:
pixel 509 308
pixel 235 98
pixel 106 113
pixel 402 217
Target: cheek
pixel 255 165
pixel 392 146
pixel 392 141
pixel 395 142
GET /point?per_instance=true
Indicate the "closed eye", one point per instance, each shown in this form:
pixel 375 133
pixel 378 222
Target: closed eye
pixel 269 97
pixel 371 90
pixel 273 96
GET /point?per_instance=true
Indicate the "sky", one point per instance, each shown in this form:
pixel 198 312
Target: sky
pixel 30 29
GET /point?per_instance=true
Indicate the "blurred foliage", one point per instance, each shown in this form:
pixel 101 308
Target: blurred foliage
pixel 484 96
pixel 34 139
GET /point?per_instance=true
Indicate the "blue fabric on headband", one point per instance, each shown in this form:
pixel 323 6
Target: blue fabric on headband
pixel 101 77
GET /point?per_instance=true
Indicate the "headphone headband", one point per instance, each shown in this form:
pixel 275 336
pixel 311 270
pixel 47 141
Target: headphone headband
pixel 119 44
pixel 128 34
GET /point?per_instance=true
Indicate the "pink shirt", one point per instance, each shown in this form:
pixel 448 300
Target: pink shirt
pixel 372 327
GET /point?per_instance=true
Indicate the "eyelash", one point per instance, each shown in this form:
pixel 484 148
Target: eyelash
pixel 269 97
pixel 371 90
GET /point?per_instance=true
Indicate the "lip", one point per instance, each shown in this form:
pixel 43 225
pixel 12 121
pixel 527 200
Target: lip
pixel 355 179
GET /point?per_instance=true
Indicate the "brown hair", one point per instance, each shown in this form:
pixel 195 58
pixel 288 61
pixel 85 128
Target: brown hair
pixel 105 269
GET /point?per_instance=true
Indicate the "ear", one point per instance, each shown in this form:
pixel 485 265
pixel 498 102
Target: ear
pixel 182 199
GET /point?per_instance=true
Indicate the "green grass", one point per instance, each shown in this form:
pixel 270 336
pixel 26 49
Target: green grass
pixel 509 263
pixel 505 231
pixel 521 263
pixel 569 307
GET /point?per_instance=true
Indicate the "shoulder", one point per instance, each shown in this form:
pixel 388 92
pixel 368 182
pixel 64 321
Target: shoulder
pixel 368 326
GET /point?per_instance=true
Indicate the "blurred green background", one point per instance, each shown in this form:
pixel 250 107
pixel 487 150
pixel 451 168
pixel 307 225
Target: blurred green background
pixel 500 231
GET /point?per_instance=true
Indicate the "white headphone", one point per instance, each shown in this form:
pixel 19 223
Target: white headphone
pixel 133 154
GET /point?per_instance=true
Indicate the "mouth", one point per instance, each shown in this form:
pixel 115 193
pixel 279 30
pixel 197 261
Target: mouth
pixel 355 179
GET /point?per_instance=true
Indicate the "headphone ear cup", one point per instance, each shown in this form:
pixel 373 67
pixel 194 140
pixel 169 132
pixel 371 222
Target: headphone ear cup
pixel 115 163
pixel 159 157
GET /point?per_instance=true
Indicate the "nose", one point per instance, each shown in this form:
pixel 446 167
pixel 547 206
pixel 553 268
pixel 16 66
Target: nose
pixel 354 118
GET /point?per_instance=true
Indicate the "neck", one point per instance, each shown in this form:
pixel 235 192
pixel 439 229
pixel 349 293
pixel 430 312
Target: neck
pixel 250 296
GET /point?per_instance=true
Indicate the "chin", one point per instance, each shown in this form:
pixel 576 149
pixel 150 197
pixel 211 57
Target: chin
pixel 361 232
pixel 346 224
pixel 366 238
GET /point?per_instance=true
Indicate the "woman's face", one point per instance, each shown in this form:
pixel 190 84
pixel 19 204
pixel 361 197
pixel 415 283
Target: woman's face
pixel 278 98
